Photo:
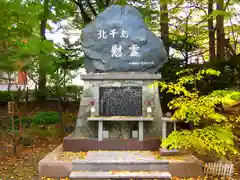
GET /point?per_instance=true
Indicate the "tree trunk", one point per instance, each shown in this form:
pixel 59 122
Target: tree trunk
pixel 42 73
pixel 185 42
pixel 211 33
pixel 107 3
pixel 220 31
pixel 64 83
pixel 186 58
pixel 164 25
pixel 91 7
pixel 14 142
pixel 9 82
pixel 60 109
pixel 85 17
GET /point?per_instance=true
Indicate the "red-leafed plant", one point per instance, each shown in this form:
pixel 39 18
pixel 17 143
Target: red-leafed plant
pixel 148 102
pixel 92 102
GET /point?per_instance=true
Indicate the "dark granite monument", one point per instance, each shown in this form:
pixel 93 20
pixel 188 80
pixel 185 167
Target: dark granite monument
pixel 118 40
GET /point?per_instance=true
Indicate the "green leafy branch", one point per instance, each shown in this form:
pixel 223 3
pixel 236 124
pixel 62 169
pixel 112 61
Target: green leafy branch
pixel 192 107
pixel 214 138
pixel 196 109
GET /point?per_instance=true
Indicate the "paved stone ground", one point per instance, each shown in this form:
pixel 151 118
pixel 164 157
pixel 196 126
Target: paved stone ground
pixel 120 156
pixel 120 165
pixel 180 166
pixel 129 156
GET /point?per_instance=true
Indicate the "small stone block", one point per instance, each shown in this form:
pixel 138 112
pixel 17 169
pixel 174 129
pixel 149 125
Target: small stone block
pixel 135 134
pixel 166 152
pixel 105 134
pixel 140 130
pixel 100 130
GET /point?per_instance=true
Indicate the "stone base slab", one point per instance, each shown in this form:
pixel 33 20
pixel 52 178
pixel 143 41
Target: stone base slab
pixel 181 166
pixel 51 166
pixel 73 144
pixel 77 175
pixel 190 167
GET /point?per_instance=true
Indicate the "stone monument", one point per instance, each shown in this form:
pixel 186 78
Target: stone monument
pixel 121 58
pixel 118 40
pixel 118 109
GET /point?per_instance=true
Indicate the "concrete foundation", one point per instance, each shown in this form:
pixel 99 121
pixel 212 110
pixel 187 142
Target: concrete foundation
pixel 181 166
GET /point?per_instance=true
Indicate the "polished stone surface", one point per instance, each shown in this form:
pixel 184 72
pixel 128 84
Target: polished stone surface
pixel 120 101
pixel 118 40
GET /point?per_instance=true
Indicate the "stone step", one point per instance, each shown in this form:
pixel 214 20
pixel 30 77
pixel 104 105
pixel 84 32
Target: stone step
pixel 124 165
pixel 77 175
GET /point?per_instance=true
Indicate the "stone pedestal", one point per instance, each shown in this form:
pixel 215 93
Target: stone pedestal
pixel 91 92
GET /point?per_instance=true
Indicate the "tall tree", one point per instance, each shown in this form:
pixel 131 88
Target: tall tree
pixel 55 11
pixel 89 9
pixel 220 30
pixel 164 24
pixel 42 71
pixel 211 32
pixel 85 17
pixel 16 29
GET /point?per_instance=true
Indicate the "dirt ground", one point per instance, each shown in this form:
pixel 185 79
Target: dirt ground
pixel 25 165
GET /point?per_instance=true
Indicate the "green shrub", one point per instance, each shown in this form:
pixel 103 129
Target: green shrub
pixel 7 96
pixel 40 118
pixel 45 118
pixel 24 120
pixel 212 132
pixel 211 139
pixel 49 131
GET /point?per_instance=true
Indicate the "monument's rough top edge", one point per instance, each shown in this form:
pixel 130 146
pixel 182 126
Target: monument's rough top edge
pixel 121 76
pixel 119 40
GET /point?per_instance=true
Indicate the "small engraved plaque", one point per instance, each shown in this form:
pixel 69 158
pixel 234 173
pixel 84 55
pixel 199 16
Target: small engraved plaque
pixel 120 101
